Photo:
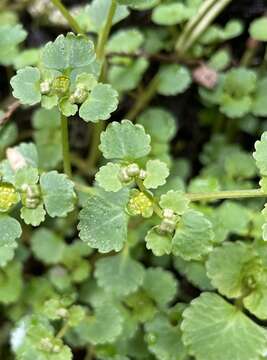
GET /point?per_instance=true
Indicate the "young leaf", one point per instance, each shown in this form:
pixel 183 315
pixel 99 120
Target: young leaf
pixel 103 327
pixel 258 29
pixel 26 86
pixel 164 339
pixel 125 41
pixel 212 320
pixel 102 101
pixel 171 14
pixel 260 154
pixel 160 285
pixel 68 52
pixel 108 177
pixel 47 246
pixel 193 237
pixel 160 244
pixel 58 193
pixel 103 220
pixel 156 174
pixel 173 80
pixel 174 200
pixel 33 217
pixel 119 274
pixel 124 141
pixel 10 230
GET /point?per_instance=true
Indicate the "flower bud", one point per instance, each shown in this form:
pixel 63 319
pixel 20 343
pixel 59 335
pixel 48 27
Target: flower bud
pixel 133 170
pixel 45 87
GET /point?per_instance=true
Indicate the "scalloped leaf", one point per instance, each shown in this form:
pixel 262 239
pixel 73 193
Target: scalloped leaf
pixel 173 80
pixel 10 230
pixel 193 237
pixel 58 193
pixel 260 154
pixel 119 274
pixel 108 177
pixel 159 244
pixel 124 141
pixel 26 86
pixel 212 320
pixel 156 173
pixel 68 52
pixel 103 220
pixel 174 200
pixel 102 101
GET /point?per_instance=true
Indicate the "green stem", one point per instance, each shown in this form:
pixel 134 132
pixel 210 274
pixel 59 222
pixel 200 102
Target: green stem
pixel 201 25
pixel 193 22
pixel 63 330
pixel 221 195
pixel 103 37
pixel 65 145
pixel 67 15
pixel 143 99
pixel 94 152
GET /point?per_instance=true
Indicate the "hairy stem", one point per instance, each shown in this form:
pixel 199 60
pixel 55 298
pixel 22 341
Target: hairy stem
pixel 103 37
pixel 65 145
pixel 221 195
pixel 144 99
pixel 67 15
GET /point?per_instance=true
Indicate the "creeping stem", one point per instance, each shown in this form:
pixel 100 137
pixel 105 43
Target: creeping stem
pixel 65 145
pixel 67 15
pixel 221 195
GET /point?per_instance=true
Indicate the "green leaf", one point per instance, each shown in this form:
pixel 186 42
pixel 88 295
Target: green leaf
pixel 47 246
pixel 102 101
pixel 258 29
pixel 211 320
pixel 126 77
pixel 156 174
pixel 7 253
pixel 164 339
pixel 195 272
pixel 26 86
pixel 108 177
pixel 260 154
pixel 33 338
pixel 174 200
pixel 10 230
pixel 159 123
pixel 103 221
pixel 124 141
pixel 97 13
pixel 234 217
pixel 33 217
pixel 160 244
pixel 103 327
pixel 259 107
pixel 193 237
pixel 58 193
pixel 11 283
pixel 125 41
pixel 160 285
pixel 119 274
pixel 229 268
pixel 173 80
pixel 171 14
pixel 68 52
